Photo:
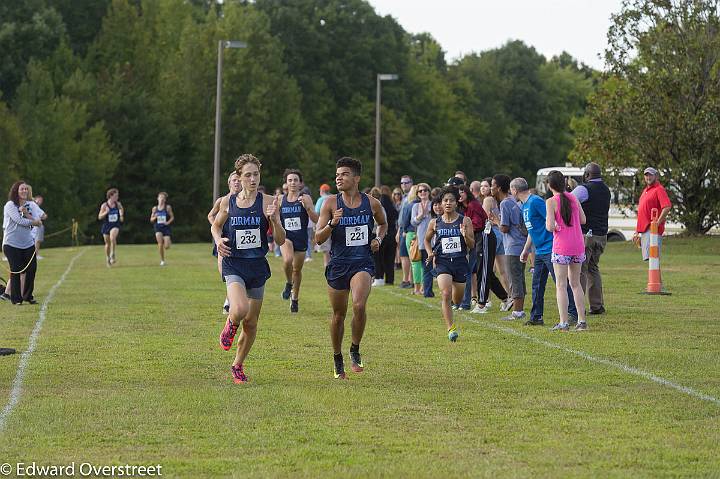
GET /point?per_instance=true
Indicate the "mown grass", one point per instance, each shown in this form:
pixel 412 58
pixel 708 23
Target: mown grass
pixel 128 370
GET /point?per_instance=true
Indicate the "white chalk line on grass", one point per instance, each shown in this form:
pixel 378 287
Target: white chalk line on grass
pixel 25 357
pixel 593 359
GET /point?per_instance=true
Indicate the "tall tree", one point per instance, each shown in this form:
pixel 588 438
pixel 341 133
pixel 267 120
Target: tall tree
pixel 661 102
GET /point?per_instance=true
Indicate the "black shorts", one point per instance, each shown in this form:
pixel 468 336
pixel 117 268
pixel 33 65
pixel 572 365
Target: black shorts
pixel 299 240
pixel 254 271
pixel 106 227
pixel 458 268
pixel 339 273
pixel 164 229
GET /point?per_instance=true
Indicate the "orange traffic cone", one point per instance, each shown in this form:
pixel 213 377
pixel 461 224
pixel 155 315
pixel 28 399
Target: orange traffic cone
pixel 654 285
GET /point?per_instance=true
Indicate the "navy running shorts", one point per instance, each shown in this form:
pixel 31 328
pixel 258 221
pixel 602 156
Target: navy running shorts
pixel 458 268
pixel 253 271
pixel 339 273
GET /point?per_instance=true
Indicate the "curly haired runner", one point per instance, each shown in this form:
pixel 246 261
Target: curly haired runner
pixel 240 232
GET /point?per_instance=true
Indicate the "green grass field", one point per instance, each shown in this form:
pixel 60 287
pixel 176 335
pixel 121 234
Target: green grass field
pixel 128 370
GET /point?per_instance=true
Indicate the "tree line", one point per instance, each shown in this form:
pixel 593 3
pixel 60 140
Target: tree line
pixel 101 93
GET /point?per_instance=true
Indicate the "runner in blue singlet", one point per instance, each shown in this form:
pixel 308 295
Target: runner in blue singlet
pixel 295 210
pixel 112 214
pixel 240 232
pixel 349 219
pixel 162 216
pixel 448 238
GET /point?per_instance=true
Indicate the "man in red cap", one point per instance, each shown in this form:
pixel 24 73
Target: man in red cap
pixel 653 196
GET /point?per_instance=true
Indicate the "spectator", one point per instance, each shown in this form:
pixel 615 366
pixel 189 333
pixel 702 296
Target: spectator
pixel 38 232
pixel 404 225
pixel 514 236
pixel 416 270
pixel 472 208
pixel 564 217
pixel 385 256
pixel 486 255
pixel 653 196
pixel 18 244
pixel 534 216
pixel 421 215
pixel 594 197
pixel 397 197
pixel 462 176
pixel 491 206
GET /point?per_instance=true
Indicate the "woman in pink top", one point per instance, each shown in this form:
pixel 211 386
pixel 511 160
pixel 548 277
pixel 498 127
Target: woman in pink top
pixel 564 217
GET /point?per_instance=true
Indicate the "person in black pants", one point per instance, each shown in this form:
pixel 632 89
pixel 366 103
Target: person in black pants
pixel 485 275
pixel 385 257
pixel 18 243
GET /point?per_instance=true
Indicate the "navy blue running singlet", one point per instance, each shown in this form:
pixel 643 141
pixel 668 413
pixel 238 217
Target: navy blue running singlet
pixel 449 242
pixel 247 229
pixel 351 237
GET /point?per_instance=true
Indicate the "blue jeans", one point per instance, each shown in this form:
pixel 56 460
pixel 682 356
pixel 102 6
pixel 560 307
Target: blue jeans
pixel 472 261
pixel 427 276
pixel 543 266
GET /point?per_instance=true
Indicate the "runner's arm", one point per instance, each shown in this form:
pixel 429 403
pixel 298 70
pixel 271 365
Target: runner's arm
pixel 171 214
pixel 217 225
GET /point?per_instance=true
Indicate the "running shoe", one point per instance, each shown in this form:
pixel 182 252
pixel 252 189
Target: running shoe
pixel 286 292
pixel 339 369
pixel 228 335
pixel 238 374
pixel 308 259
pixel 563 328
pixel 356 362
pixel 473 303
pixel 108 262
pixel 453 334
pixel 581 326
pixel 112 259
pixel 507 304
pixel 481 309
pixel 162 263
pixel 294 306
pixel 454 307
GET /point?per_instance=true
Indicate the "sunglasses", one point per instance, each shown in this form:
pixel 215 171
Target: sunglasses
pixel 406 182
pixel 423 191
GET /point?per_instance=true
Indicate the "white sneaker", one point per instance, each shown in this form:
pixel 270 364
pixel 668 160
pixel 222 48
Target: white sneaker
pixel 481 309
pixel 379 282
pixel 40 257
pixel 4 259
pixel 308 259
pixel 162 263
pixel 506 305
pixel 489 304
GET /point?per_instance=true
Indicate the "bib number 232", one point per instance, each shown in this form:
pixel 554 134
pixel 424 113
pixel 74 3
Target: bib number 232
pixel 247 239
pixel 356 236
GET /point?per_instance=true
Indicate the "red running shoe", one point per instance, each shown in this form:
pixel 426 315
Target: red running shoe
pixel 228 335
pixel 238 374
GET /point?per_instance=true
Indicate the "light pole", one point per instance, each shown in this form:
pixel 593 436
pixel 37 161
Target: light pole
pixel 380 78
pixel 222 44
